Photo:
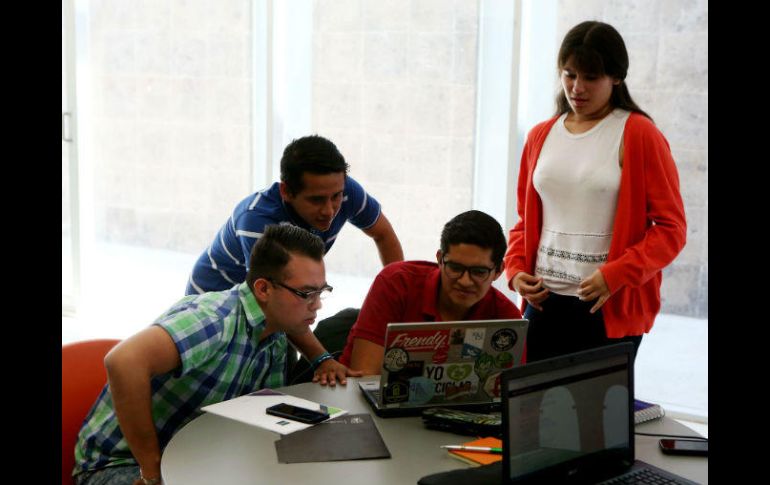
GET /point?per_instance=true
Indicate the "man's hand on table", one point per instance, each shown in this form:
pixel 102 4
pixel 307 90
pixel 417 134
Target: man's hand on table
pixel 330 371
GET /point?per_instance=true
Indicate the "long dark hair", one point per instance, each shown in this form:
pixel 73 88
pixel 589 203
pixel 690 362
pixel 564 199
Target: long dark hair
pixel 597 48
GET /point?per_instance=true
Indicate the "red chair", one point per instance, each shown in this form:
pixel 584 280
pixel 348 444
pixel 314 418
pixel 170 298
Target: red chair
pixel 82 378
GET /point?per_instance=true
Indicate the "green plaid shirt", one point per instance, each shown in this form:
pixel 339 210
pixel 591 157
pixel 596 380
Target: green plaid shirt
pixel 217 336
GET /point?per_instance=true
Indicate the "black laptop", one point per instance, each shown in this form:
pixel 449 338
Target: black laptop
pixel 570 419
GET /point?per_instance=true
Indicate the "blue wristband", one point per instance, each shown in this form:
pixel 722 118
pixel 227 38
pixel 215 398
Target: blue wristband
pixel 317 361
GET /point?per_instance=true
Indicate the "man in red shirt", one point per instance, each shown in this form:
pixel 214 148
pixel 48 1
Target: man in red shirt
pixel 459 287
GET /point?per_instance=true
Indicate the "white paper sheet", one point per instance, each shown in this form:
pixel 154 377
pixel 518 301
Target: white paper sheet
pixel 250 409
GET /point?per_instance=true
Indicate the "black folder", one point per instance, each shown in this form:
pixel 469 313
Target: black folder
pixel 348 437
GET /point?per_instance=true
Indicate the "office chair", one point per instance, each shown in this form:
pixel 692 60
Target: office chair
pixel 82 378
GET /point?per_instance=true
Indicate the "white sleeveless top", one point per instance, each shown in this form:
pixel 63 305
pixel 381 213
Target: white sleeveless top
pixel 577 177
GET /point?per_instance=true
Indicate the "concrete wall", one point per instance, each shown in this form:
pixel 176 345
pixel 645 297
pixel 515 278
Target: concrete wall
pixel 171 132
pixel 394 86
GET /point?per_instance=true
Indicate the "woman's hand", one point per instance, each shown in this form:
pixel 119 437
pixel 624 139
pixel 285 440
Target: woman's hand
pixel 592 288
pixel 530 288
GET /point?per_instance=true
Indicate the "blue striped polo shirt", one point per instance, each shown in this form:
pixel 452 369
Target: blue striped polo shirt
pixel 225 262
pixel 217 336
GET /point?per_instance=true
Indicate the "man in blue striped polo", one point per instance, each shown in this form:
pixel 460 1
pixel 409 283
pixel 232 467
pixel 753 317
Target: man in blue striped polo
pixel 205 349
pixel 314 193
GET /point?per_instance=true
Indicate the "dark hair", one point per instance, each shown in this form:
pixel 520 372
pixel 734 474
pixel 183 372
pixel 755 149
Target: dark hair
pixel 478 228
pixel 597 48
pixel 314 154
pixel 272 251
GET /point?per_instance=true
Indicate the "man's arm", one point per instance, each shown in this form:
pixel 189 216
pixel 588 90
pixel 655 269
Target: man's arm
pixel 386 240
pixel 366 357
pixel 130 366
pixel 385 302
pixel 330 370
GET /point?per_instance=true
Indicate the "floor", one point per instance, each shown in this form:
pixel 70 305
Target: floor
pixel 130 287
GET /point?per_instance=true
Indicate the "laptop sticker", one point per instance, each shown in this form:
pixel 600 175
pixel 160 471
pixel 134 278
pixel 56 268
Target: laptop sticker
pixel 440 356
pixel 470 352
pixel 395 392
pixel 395 359
pixel 459 372
pixel 504 360
pixel 455 390
pixel 458 336
pixel 453 380
pixel 475 337
pixel 484 365
pixel 504 339
pixel 421 390
pixel 420 340
pixel 492 385
pixel 473 342
pixel 397 388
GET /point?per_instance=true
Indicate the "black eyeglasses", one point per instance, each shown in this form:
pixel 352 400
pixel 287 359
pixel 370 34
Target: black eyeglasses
pixel 308 296
pixel 479 274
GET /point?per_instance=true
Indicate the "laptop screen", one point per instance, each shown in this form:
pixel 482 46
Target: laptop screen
pixel 569 418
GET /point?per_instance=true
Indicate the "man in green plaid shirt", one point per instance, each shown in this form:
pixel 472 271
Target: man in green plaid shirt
pixel 205 349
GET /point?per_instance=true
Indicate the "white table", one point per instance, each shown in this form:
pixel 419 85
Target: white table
pixel 212 449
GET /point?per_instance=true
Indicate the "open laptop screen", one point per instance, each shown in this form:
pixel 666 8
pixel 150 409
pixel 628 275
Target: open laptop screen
pixel 569 418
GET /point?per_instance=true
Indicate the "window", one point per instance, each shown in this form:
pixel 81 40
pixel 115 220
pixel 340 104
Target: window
pixel 165 95
pixel 394 85
pixel 69 203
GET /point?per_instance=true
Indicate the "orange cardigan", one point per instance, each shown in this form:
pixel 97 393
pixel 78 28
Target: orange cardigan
pixel 648 232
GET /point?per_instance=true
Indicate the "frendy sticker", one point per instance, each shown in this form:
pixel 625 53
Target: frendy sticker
pixel 420 340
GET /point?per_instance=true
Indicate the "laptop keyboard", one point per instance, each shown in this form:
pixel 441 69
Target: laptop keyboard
pixel 641 476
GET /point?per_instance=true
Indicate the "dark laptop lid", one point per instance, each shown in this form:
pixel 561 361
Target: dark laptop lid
pixel 569 419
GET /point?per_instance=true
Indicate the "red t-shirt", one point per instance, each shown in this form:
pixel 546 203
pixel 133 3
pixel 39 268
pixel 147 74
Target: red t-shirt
pixel 407 291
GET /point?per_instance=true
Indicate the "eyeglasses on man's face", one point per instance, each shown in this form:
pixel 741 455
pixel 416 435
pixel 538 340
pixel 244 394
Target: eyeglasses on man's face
pixel 479 274
pixel 308 296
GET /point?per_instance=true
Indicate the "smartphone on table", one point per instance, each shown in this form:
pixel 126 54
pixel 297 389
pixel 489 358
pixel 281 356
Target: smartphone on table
pixel 684 447
pixel 296 413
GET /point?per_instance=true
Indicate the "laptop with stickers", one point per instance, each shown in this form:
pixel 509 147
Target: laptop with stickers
pixel 447 364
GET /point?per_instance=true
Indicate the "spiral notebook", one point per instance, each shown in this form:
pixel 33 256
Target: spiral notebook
pixel 646 411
